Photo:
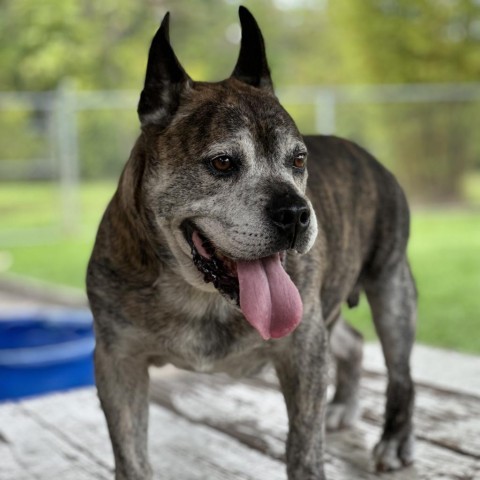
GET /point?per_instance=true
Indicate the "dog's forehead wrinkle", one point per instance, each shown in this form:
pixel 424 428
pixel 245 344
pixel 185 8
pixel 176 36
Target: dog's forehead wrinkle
pixel 234 112
pixel 231 143
pixel 289 143
pixel 276 148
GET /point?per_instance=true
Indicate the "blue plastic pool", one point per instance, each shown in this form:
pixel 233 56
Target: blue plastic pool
pixel 44 352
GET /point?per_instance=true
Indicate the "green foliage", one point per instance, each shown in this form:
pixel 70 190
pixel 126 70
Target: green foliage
pixel 105 140
pixel 412 41
pixel 103 45
pixel 429 146
pixel 405 41
pixel 32 129
pixel 94 42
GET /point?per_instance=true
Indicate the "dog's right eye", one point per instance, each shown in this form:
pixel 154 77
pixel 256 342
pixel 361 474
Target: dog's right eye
pixel 222 164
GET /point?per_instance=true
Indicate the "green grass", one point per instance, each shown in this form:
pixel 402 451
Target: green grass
pixel 445 256
pixel 471 187
pixel 444 252
pixel 29 205
pixel 59 257
pixel 33 205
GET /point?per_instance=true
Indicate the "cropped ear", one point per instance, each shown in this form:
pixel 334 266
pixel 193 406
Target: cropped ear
pixel 252 66
pixel 165 80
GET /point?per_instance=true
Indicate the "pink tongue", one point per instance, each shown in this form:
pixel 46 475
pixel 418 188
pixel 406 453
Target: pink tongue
pixel 268 298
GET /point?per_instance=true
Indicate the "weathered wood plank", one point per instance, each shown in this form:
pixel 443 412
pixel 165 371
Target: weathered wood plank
pixel 442 417
pixel 446 419
pixel 210 420
pixel 29 450
pixel 179 449
pixel 76 418
pixel 256 415
pixel 437 367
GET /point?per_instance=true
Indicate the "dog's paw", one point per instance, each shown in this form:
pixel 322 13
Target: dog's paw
pixel 393 454
pixel 341 415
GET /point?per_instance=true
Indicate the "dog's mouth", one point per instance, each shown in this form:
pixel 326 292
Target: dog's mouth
pixel 215 267
pixel 261 288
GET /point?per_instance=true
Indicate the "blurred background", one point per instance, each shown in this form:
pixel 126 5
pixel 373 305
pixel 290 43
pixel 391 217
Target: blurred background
pixel 397 76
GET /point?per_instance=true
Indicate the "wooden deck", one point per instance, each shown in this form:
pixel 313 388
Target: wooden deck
pixel 206 427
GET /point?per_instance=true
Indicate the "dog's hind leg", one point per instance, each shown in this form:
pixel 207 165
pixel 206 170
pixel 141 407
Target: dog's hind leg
pixel 122 384
pixel 392 297
pixel 347 348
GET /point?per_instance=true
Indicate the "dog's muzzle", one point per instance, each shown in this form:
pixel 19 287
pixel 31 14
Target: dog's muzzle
pixel 261 287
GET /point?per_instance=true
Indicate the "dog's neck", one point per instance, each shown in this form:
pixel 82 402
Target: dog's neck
pixel 190 302
pixel 136 252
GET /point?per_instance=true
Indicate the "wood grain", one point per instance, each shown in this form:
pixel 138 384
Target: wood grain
pixel 255 414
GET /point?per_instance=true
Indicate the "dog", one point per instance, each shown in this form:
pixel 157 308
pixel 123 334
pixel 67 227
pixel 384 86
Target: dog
pixel 216 254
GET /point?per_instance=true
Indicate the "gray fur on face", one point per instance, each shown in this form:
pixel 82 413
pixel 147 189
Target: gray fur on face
pixel 234 214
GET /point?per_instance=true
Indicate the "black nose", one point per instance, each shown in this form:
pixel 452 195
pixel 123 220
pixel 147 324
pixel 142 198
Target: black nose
pixel 291 214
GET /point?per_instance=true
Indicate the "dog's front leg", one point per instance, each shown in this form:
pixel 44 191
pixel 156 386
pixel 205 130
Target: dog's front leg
pixel 122 384
pixel 303 378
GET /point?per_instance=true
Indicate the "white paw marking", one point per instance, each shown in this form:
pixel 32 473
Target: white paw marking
pixel 341 415
pixel 393 454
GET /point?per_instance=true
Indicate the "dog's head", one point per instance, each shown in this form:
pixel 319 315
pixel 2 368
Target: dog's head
pixel 225 180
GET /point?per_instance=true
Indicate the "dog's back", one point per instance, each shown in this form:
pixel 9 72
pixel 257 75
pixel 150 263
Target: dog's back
pixel 362 213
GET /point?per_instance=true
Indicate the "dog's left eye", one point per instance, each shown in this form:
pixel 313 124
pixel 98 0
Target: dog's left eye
pixel 299 161
pixel 222 163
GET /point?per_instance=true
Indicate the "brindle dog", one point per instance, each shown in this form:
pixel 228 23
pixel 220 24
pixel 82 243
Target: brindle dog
pixel 191 258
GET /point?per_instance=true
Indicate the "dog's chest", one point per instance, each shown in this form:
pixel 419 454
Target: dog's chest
pixel 212 346
pixel 204 333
